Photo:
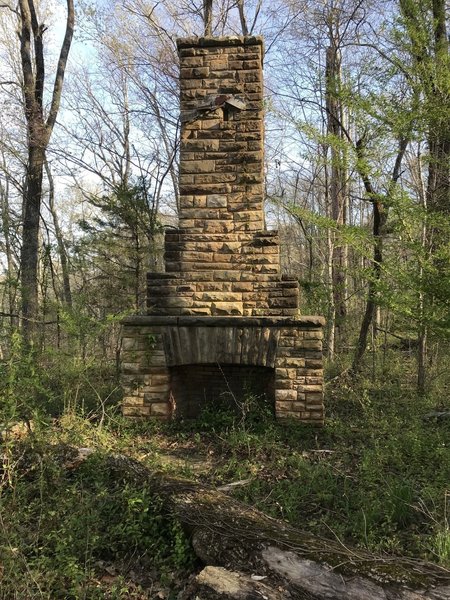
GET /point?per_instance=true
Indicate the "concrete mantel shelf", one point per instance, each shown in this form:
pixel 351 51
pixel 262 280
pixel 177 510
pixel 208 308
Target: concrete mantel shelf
pixel 225 321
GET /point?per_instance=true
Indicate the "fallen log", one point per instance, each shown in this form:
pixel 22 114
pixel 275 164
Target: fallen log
pixel 295 564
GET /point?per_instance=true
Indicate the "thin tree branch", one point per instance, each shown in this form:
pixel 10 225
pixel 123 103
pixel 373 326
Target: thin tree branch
pixel 60 71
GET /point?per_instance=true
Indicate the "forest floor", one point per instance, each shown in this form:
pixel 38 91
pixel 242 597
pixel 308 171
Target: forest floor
pixel 377 476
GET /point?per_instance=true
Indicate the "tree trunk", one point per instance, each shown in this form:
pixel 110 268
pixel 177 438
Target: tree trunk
pixel 379 220
pixel 29 256
pixel 438 186
pixel 338 181
pixel 67 291
pixel 11 267
pixel 207 17
pixel 230 534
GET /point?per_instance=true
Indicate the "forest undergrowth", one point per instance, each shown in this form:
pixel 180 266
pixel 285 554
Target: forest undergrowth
pixel 376 476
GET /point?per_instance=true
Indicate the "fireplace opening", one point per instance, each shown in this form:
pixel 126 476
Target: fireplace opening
pixel 228 387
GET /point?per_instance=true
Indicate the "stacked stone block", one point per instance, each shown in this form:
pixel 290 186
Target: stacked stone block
pixel 292 347
pixel 221 301
pixel 221 261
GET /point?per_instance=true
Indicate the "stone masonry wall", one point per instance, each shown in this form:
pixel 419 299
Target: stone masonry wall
pixel 293 348
pixel 221 260
pixel 221 302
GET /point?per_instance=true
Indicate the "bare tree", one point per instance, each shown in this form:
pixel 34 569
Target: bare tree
pixel 39 131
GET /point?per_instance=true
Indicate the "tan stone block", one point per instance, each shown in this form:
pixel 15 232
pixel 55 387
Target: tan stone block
pixel 315 334
pixel 207 124
pixel 249 76
pixel 136 411
pixel 289 361
pixel 133 401
pixel 198 256
pixel 183 179
pixel 284 373
pixel 226 308
pixel 242 286
pixel 308 372
pixel 206 188
pixel 194 61
pixel 305 415
pixel 191 97
pixel 317 418
pixel 160 409
pixel 252 64
pixel 219 63
pixel 200 72
pixel 282 406
pixel 177 302
pixel 226 275
pixel 256 177
pixel 285 395
pixel 216 201
pixel 211 178
pixel 312 345
pixel 199 202
pixel 200 144
pixel 197 304
pixel 314 364
pixel 189 84
pixel 199 312
pixel 197 166
pixel 190 127
pixel 313 388
pixel 314 380
pixel 218 296
pixel 285 384
pixel 272 250
pixel 298 406
pixel 250 226
pixel 186 202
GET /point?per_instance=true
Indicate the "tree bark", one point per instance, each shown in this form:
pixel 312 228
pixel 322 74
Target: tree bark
pixel 207 17
pixel 11 266
pixel 62 252
pixel 379 220
pixel 29 256
pixel 338 181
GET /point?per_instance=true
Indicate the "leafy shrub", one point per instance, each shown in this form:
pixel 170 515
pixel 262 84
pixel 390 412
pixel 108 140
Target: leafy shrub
pixel 58 526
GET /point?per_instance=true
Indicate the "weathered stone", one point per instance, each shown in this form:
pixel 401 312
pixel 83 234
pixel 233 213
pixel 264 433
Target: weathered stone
pixel 226 308
pixel 222 268
pixel 197 166
pixel 216 201
pixel 160 409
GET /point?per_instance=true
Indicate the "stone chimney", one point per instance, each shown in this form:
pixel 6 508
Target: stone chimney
pixel 221 319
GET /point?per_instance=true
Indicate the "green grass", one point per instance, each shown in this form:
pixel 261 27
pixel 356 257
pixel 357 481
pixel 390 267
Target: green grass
pixel 376 475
